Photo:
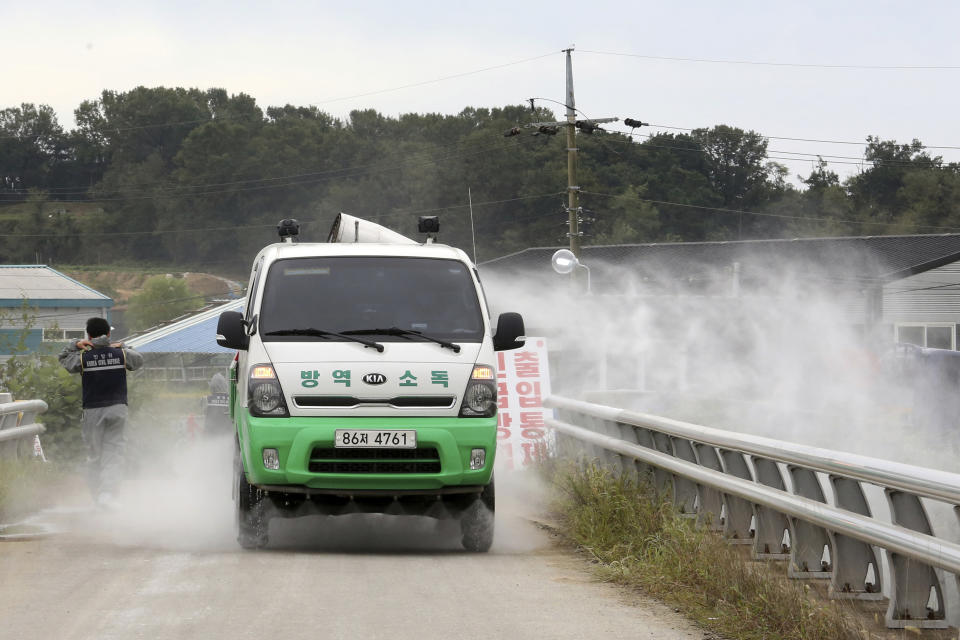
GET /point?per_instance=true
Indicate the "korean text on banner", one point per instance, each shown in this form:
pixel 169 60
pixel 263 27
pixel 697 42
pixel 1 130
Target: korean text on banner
pixel 523 380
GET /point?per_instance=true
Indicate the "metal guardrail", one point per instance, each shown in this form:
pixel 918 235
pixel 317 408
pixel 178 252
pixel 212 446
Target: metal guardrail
pixel 17 421
pixel 709 474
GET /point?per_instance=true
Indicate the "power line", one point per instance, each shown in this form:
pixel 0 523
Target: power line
pixel 435 80
pixel 135 188
pixel 272 225
pixel 134 233
pixel 779 64
pixel 769 215
pixel 464 205
pixel 178 191
pixel 145 187
pixel 214 118
pixel 358 95
pixel 795 139
pixel 856 160
pixel 292 181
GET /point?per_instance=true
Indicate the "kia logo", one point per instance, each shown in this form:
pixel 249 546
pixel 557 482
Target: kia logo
pixel 374 378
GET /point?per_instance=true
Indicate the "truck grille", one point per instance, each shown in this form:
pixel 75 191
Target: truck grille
pixel 368 460
pixel 400 402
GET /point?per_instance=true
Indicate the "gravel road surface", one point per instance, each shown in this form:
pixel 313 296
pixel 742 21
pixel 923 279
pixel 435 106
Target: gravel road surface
pixel 108 576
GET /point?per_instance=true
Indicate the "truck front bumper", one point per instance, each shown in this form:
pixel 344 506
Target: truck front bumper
pixel 305 446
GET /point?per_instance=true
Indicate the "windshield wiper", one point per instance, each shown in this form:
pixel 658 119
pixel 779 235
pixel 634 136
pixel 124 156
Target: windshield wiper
pixel 322 333
pixel 397 331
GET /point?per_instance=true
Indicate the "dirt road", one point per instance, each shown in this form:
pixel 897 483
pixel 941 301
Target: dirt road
pixel 121 577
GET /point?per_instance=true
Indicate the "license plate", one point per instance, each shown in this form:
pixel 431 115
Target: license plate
pixel 376 438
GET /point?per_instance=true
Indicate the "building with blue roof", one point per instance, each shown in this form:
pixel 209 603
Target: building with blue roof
pixel 43 308
pixel 185 350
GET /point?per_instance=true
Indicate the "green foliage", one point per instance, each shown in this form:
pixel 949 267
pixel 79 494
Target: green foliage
pixel 40 376
pixel 27 485
pixel 639 539
pixel 198 177
pixel 162 298
pixel 32 148
pixel 30 377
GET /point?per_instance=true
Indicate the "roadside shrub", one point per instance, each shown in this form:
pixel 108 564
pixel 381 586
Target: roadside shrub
pixel 638 539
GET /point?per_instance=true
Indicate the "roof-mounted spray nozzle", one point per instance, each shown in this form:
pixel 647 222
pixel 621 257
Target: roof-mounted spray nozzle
pixel 288 230
pixel 429 225
pixel 347 228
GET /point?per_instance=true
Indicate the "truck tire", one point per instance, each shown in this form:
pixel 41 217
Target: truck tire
pixel 251 523
pixel 477 522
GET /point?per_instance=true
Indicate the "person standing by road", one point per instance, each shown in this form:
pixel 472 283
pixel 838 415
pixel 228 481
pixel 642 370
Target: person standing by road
pixel 103 367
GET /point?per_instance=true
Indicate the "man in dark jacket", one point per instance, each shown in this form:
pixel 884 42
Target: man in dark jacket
pixel 103 367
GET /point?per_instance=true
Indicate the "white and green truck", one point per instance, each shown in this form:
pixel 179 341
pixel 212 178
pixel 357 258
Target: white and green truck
pixel 365 381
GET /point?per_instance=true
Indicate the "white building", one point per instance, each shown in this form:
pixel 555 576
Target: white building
pixel 43 308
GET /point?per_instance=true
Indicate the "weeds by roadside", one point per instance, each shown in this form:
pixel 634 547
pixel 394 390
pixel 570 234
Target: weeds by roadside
pixel 27 486
pixel 639 540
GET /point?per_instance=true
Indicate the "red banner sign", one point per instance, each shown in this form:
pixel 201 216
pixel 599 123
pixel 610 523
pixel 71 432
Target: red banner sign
pixel 523 380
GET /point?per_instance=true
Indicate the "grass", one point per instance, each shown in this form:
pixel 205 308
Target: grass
pixel 638 539
pixel 28 485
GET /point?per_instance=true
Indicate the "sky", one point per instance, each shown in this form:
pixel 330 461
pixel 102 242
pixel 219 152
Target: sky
pixel 343 56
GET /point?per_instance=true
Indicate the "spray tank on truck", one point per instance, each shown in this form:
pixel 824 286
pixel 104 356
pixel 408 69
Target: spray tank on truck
pixel 365 381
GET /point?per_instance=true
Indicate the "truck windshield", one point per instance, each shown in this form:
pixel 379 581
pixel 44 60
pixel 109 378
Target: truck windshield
pixel 434 297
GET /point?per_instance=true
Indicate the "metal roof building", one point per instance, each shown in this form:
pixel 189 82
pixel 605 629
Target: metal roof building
pixel 57 307
pixel 908 283
pixel 185 350
pixel 193 334
pixel 848 261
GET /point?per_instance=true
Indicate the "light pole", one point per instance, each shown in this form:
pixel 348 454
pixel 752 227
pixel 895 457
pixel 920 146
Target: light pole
pixel 564 261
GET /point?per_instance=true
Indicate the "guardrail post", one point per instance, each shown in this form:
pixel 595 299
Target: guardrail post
pixel 585 452
pixel 768 543
pixel 18 425
pixel 739 512
pixel 568 447
pixel 808 541
pixel 853 559
pixel 956 576
pixel 644 438
pixel 8 421
pixel 918 558
pixel 8 449
pixel 607 428
pixel 663 479
pixel 684 490
pixel 913 581
pixel 709 499
pixel 628 433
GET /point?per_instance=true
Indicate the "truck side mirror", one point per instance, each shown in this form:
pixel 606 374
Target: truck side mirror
pixel 230 333
pixel 510 332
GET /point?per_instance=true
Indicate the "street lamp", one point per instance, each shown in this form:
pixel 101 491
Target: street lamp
pixel 564 261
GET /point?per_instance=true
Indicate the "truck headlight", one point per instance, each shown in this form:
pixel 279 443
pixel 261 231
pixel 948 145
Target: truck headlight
pixel 480 397
pixel 265 394
pixel 271 459
pixel 478 458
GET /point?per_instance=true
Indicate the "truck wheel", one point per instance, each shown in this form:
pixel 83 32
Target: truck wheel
pixel 477 522
pixel 249 503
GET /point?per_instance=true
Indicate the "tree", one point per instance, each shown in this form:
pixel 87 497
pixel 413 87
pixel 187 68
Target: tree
pixel 162 298
pixel 674 169
pixel 627 219
pixel 877 191
pixel 31 148
pixel 736 164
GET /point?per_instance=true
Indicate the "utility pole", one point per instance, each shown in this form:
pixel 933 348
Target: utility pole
pixel 573 189
pixel 571 124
